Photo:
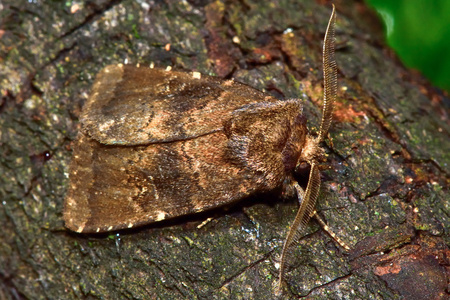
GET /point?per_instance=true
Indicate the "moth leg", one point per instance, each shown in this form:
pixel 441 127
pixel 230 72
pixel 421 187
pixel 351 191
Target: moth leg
pixel 301 195
pixel 330 232
pixel 204 223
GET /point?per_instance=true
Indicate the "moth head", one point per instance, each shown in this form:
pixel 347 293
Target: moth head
pixel 311 152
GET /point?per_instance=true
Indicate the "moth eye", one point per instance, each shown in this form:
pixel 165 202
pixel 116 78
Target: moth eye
pixel 303 165
pixel 302 169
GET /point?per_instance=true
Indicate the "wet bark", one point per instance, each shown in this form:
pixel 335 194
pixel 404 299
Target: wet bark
pixel 385 192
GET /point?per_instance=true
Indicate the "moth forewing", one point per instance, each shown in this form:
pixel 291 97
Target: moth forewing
pixel 309 197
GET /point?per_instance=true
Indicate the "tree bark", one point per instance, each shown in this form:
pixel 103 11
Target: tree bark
pixel 385 192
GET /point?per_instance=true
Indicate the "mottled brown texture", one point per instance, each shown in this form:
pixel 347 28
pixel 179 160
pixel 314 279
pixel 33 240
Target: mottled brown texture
pixel 132 105
pixel 388 157
pixel 212 142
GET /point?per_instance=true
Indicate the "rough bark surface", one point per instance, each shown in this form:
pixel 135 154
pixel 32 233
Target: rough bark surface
pixel 385 193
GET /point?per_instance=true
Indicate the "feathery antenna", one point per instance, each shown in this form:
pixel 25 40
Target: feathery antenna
pixel 330 77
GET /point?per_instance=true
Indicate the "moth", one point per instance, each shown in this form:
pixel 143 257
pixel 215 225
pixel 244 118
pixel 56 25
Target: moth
pixel 157 144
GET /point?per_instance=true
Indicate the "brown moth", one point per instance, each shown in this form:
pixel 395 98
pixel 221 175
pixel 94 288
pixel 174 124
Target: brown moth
pixel 158 144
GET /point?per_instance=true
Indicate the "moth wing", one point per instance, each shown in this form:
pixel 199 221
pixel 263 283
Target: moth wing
pixel 132 105
pixel 117 187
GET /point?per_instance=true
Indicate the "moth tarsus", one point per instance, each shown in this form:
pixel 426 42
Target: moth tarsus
pixel 308 198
